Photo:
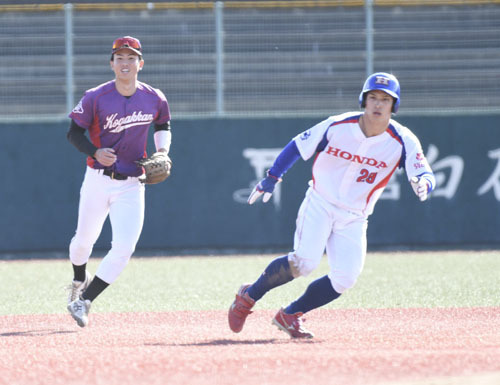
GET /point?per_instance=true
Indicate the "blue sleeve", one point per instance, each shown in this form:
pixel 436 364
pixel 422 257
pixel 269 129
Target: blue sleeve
pixel 285 160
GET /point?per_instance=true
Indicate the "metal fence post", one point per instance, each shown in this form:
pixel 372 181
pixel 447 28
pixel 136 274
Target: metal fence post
pixel 369 36
pixel 68 19
pixel 219 61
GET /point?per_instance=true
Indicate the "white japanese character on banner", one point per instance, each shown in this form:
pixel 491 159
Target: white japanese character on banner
pixel 260 159
pixel 446 182
pixel 493 182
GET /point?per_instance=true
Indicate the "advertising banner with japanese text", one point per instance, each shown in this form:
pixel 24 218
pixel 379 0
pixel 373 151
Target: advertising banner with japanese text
pixel 216 163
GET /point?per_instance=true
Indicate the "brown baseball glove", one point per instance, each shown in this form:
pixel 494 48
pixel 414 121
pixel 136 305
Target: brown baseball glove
pixel 156 168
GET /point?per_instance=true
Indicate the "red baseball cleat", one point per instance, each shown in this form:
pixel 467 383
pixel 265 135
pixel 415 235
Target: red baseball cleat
pixel 240 309
pixel 291 324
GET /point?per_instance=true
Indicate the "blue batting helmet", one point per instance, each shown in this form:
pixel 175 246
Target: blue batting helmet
pixel 384 82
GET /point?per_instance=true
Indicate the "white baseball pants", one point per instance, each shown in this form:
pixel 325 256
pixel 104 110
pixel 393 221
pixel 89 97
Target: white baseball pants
pixel 321 225
pixel 123 201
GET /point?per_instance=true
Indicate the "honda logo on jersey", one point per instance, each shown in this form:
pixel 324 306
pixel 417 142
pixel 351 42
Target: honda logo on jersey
pixel 382 80
pixel 355 158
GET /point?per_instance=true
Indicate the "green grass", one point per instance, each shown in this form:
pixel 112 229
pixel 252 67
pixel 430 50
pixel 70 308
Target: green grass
pixel 392 279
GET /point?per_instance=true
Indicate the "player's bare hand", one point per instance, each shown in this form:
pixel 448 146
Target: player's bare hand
pixel 105 156
pixel 264 187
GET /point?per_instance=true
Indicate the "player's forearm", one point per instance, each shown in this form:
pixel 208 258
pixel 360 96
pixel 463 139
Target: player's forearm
pixel 163 139
pixel 285 160
pixel 76 136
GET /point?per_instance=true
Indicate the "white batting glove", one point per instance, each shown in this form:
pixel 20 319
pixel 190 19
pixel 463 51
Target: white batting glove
pixel 420 187
pixel 264 187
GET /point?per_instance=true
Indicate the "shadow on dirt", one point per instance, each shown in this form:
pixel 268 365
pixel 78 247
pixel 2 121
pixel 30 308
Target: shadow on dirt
pixel 225 342
pixel 35 333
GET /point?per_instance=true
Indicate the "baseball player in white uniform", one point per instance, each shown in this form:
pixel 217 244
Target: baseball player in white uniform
pixel 356 154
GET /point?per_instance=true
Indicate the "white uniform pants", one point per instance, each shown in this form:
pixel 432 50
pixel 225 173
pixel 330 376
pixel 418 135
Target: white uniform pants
pixel 321 224
pixel 123 201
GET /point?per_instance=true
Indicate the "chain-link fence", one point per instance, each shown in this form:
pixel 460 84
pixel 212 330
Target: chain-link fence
pixel 270 58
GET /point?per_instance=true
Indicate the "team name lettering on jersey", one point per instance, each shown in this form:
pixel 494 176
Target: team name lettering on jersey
pixel 118 125
pixel 355 158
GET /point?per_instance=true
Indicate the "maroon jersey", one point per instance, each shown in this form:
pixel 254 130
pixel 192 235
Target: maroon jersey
pixel 121 123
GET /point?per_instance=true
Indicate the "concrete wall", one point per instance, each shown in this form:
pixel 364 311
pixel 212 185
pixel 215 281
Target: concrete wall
pixel 216 161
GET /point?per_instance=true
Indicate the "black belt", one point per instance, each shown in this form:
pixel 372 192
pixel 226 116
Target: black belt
pixel 114 175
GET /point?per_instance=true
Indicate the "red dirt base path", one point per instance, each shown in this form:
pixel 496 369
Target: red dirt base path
pixel 374 346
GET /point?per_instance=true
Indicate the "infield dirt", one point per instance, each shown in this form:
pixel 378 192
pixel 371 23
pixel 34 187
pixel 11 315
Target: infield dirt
pixel 374 346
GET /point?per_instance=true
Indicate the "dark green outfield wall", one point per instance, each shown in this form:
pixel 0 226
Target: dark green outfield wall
pixel 216 161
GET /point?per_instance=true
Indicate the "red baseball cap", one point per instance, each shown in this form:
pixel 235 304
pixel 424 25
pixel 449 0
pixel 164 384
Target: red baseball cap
pixel 128 42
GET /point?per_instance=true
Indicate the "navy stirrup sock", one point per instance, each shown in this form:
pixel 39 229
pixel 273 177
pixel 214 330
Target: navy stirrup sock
pixel 79 272
pixel 318 293
pixel 277 273
pixel 95 288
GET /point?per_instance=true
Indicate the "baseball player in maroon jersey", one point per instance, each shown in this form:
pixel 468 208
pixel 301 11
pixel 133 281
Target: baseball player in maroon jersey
pixel 355 156
pixel 117 116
